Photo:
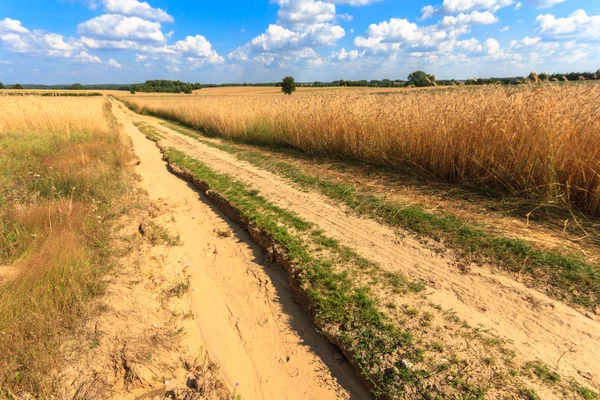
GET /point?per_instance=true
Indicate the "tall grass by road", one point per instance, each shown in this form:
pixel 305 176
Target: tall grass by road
pixel 540 142
pixel 61 165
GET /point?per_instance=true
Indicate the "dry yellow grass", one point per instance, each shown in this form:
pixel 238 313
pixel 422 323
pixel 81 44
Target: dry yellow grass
pixel 41 115
pixel 61 164
pixel 540 142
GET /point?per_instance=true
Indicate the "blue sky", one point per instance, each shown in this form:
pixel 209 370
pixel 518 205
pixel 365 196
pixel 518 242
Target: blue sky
pixel 124 41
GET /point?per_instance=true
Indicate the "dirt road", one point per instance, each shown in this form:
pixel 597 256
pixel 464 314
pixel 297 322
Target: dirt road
pixel 265 345
pixel 540 327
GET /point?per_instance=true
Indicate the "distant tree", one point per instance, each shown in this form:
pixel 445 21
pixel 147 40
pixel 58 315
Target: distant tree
pixel 132 91
pixel 288 85
pixel 164 86
pixel 77 86
pixel 421 79
pixel 17 86
pixel 1 85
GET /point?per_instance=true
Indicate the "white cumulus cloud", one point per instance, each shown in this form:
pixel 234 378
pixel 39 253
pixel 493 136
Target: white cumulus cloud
pixel 12 25
pixel 85 57
pixel 113 26
pixel 197 48
pixel 304 12
pixel 133 8
pixel 457 6
pixel 114 63
pixel 474 18
pixel 577 25
pixel 450 7
pixel 137 9
pixel 302 26
pixel 342 55
pixel 17 39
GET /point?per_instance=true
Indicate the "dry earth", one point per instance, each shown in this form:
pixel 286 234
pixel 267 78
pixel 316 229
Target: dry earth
pixel 539 327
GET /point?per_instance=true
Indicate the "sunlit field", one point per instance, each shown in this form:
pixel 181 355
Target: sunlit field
pixel 539 142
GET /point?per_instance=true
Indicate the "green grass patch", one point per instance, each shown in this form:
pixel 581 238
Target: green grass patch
pixel 583 392
pixel 149 131
pixel 542 371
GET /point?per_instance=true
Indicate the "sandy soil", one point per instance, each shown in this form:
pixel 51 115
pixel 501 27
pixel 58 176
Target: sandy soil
pixel 540 327
pixel 241 312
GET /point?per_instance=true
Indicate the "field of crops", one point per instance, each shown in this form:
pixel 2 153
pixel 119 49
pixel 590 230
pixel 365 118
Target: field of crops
pixel 540 142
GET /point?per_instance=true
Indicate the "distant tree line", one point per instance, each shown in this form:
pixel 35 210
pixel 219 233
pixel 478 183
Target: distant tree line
pixel 416 79
pixel 165 86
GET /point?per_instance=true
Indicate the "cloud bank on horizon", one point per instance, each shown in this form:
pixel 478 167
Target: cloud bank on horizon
pixel 110 41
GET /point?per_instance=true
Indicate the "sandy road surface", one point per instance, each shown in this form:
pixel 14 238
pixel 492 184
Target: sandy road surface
pixel 540 327
pixel 265 345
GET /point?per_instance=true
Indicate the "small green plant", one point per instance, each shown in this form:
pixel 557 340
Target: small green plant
pixel 179 289
pixel 584 392
pixel 411 312
pixel 542 371
pixel 157 234
pixel 528 394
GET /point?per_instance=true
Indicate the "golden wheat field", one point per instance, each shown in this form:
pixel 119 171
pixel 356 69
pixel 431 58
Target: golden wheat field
pixel 33 114
pixel 541 142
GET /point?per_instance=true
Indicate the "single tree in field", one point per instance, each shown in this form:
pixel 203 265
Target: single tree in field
pixel 288 85
pixel 17 86
pixel 77 86
pixel 1 85
pixel 132 91
pixel 421 79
